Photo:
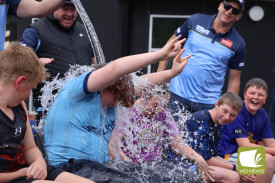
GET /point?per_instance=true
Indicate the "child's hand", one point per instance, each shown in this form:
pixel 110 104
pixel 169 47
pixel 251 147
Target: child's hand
pixel 247 178
pixel 125 158
pixel 203 169
pixel 22 172
pixel 37 170
pixel 172 48
pixel 179 63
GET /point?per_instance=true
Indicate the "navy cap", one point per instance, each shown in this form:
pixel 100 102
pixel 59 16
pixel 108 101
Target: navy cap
pixel 240 2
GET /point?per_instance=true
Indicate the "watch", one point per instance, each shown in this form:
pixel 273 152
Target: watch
pixel 234 167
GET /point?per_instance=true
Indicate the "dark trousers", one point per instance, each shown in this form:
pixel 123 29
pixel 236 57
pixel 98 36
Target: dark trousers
pixel 157 171
pixel 98 172
pixel 181 109
pixel 180 106
pixel 52 173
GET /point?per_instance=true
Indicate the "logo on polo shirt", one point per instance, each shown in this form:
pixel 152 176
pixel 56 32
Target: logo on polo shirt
pixel 178 30
pixel 227 42
pixel 238 131
pixel 202 30
pixel 251 160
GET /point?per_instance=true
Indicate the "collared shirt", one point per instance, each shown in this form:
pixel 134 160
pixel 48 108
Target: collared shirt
pixel 246 125
pixel 203 136
pixel 211 55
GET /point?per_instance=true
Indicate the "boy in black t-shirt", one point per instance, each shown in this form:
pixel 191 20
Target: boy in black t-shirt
pixel 20 159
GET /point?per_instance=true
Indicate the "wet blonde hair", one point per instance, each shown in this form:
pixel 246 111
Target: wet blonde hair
pixel 17 60
pixel 232 100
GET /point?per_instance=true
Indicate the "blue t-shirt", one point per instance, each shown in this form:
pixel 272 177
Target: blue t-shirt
pixel 7 7
pixel 77 126
pixel 203 135
pixel 211 55
pixel 246 125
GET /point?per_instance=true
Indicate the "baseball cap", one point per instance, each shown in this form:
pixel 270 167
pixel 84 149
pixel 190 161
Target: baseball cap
pixel 241 3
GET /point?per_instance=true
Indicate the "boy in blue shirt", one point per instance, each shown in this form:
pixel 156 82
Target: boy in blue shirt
pixel 81 119
pixel 203 129
pixel 20 159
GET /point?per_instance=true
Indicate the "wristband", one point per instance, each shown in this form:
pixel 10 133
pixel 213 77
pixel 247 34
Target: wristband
pixel 234 167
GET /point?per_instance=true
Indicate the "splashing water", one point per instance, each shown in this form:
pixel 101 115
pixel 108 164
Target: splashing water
pixel 56 84
pixel 47 99
pixel 100 59
pixel 139 139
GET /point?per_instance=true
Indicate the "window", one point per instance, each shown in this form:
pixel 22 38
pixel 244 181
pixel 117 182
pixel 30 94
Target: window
pixel 162 27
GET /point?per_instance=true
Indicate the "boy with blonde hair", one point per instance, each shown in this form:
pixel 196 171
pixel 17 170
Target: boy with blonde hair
pixel 203 129
pixel 20 159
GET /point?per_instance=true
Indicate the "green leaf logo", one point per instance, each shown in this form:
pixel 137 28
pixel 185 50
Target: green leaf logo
pixel 251 160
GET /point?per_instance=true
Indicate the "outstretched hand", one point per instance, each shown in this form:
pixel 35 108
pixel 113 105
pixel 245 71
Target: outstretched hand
pixel 204 170
pixel 179 62
pixel 172 48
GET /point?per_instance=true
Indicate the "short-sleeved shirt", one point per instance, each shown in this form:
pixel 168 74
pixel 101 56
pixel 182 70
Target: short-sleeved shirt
pixel 211 55
pixel 77 126
pixel 203 135
pixel 246 125
pixel 143 136
pixel 7 7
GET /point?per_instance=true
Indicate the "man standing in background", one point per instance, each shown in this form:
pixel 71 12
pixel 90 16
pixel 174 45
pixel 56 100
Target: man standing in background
pixel 61 38
pixel 214 46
